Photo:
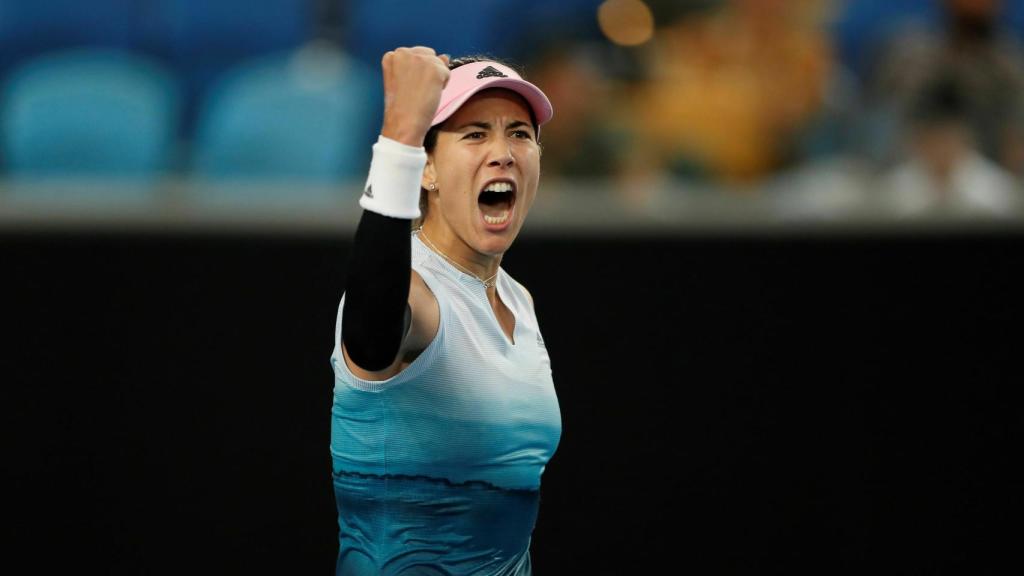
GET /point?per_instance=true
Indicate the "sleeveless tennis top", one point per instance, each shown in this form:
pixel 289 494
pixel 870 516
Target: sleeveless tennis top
pixel 437 470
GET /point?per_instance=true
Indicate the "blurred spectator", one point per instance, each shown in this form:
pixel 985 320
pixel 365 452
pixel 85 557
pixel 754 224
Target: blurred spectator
pixel 730 90
pixel 583 141
pixel 863 27
pixel 971 47
pixel 944 172
pixel 1011 153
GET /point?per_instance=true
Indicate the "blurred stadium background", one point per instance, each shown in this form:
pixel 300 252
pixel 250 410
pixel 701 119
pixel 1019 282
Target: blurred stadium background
pixel 776 254
pixel 671 114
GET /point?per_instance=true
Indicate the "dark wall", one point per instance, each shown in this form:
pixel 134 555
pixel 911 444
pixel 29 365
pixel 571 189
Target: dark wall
pixel 749 406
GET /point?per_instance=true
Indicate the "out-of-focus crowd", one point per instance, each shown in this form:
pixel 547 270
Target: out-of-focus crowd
pixel 928 95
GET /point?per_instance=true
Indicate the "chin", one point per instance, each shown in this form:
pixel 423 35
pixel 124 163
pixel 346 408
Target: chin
pixel 495 245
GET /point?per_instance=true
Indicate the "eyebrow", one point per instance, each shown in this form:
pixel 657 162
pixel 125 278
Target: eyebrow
pixel 487 125
pixel 519 124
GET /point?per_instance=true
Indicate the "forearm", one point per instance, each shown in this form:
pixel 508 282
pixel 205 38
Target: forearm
pixel 376 316
pixel 376 313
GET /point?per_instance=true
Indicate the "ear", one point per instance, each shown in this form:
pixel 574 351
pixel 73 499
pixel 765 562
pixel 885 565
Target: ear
pixel 429 173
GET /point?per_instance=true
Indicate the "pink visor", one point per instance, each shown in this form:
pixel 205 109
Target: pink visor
pixel 468 79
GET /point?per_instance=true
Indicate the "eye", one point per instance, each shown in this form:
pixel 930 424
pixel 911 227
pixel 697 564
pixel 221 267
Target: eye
pixel 475 135
pixel 522 134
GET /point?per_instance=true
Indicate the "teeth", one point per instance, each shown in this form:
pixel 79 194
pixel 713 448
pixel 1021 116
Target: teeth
pixel 496 219
pixel 499 187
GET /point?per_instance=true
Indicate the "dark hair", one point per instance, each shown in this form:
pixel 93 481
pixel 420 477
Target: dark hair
pixel 430 140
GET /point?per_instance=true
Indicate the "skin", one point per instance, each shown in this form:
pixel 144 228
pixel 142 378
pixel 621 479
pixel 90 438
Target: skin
pixel 941 147
pixel 490 136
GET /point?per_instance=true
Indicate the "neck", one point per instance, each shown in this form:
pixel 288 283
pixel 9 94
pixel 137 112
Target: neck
pixel 442 239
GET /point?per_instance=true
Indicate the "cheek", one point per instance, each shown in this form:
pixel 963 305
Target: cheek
pixel 533 175
pixel 531 161
pixel 455 201
pixel 458 173
pixel 451 184
pixel 530 200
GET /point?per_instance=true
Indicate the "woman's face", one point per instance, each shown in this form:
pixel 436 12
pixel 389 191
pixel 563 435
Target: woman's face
pixel 486 166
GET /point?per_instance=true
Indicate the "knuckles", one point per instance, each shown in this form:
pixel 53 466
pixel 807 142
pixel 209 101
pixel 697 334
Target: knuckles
pixel 411 53
pixel 417 57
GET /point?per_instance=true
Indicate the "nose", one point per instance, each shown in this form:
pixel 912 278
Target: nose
pixel 501 154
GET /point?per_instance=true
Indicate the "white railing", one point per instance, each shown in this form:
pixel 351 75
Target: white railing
pixel 821 199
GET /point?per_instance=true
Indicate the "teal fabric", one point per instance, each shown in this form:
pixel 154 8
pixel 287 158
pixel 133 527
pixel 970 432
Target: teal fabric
pixel 437 470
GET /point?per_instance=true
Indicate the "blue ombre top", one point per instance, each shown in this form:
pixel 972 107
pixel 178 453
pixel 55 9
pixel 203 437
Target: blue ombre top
pixel 437 470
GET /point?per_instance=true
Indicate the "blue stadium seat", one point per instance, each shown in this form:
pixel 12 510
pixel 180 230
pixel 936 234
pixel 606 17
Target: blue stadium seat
pixel 89 112
pixel 202 39
pixel 305 114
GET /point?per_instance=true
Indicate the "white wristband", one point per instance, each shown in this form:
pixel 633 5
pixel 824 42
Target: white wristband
pixel 393 186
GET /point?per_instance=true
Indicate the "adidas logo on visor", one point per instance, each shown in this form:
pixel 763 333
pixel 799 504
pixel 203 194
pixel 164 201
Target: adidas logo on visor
pixel 490 72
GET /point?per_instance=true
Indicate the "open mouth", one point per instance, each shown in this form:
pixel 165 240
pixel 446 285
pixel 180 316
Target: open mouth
pixel 496 201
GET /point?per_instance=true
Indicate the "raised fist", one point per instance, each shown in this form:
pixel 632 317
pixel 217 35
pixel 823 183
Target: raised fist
pixel 413 81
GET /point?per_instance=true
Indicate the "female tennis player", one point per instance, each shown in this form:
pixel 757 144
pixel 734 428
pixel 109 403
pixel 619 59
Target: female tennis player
pixel 445 413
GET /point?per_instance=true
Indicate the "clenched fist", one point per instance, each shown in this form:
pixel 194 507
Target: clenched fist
pixel 413 81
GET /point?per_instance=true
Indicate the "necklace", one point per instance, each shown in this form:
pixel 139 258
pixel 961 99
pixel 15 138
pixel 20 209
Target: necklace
pixel 488 283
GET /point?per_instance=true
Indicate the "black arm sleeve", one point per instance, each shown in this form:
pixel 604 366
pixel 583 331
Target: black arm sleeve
pixel 376 315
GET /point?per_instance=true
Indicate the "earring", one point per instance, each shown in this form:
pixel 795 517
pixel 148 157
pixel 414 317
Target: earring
pixel 433 186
